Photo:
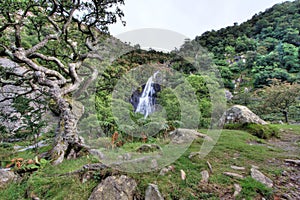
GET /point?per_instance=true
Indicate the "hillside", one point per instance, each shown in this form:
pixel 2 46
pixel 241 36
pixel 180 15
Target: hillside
pixel 83 138
pixel 266 46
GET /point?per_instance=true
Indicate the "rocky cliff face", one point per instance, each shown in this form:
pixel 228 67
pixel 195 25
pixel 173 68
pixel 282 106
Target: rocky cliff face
pixel 12 86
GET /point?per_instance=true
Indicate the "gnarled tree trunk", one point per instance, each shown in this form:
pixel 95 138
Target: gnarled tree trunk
pixel 67 141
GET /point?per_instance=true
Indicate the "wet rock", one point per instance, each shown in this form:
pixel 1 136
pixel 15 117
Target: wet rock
pixel 115 188
pixel 205 176
pixel 260 177
pixel 152 193
pixel 6 177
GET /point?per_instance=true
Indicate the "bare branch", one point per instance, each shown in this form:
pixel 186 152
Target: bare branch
pixel 54 24
pixel 41 44
pixel 76 79
pixel 87 82
pixel 53 59
pixel 21 55
pixel 64 29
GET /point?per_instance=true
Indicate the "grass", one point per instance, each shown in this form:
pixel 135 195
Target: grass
pixel 234 147
pixel 252 187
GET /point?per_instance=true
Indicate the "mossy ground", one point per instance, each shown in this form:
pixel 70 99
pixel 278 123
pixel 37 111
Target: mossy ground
pixel 234 147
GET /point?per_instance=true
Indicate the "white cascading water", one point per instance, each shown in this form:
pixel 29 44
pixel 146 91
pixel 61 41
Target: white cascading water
pixel 146 103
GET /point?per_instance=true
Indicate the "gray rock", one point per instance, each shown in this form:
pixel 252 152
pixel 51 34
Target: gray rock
pixel 181 136
pixel 154 164
pixel 152 193
pixel 97 153
pixel 237 168
pixel 240 115
pixel 205 176
pixel 6 177
pixel 228 95
pixel 165 170
pixel 237 189
pixel 260 177
pixel 115 188
pixel 296 162
pixel 12 120
pixel 233 175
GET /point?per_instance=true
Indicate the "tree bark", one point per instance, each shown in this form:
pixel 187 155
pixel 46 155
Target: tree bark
pixel 67 141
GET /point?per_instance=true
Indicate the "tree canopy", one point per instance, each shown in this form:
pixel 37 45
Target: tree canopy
pixel 51 39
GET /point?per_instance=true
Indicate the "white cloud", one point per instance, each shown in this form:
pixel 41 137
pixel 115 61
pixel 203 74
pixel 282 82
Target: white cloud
pixel 188 17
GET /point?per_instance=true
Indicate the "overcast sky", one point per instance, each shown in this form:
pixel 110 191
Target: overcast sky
pixel 188 17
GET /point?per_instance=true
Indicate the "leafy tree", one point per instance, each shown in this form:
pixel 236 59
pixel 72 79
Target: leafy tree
pixel 279 97
pixel 52 40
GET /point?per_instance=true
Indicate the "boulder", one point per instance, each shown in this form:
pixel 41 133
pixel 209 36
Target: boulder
pixel 6 177
pixel 152 193
pixel 240 115
pixel 184 136
pixel 115 188
pixel 260 177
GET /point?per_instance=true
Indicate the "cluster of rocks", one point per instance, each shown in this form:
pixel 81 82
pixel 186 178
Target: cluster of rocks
pixel 122 188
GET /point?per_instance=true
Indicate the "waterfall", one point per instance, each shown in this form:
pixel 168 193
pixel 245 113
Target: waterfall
pixel 147 99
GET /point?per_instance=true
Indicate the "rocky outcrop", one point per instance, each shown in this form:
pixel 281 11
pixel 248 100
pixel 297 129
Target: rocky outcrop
pixel 10 118
pixel 6 177
pixel 240 115
pixel 115 188
pixel 152 193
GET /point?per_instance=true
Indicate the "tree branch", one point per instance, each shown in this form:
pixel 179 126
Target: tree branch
pixel 21 55
pixel 41 44
pixel 76 80
pixel 53 59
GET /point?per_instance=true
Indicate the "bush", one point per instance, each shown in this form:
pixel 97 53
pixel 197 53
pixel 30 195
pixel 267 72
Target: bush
pixel 261 131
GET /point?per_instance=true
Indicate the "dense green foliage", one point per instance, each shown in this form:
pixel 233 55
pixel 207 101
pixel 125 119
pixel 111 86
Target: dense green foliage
pixel 266 46
pixel 167 98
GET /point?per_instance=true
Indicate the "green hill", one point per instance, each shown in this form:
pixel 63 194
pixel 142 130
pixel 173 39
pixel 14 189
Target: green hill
pixel 266 46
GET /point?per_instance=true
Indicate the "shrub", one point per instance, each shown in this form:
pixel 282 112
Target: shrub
pixel 261 131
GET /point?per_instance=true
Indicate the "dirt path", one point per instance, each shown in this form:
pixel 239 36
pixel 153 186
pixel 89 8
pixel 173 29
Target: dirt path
pixel 289 142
